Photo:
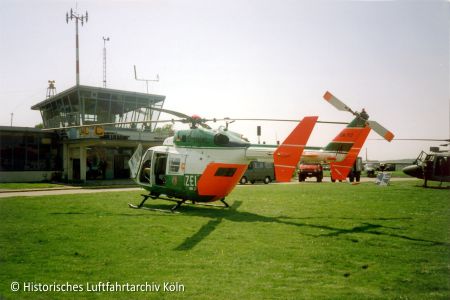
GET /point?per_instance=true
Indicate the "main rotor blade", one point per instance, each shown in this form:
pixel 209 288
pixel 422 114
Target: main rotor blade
pixel 112 123
pixel 204 125
pixel 425 140
pixel 386 134
pixel 188 119
pixel 172 112
pixel 337 103
pixel 271 120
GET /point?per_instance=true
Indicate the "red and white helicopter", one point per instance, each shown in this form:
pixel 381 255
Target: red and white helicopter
pixel 201 165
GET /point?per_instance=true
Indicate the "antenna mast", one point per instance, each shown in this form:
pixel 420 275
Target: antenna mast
pixel 51 90
pixel 104 60
pixel 75 15
pixel 146 80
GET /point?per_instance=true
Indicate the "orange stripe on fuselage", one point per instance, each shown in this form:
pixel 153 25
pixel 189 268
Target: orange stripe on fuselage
pixel 219 186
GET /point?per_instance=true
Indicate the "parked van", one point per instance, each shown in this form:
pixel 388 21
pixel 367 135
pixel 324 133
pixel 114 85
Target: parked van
pixel 259 171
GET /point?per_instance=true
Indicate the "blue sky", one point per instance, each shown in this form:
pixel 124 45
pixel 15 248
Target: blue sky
pixel 244 59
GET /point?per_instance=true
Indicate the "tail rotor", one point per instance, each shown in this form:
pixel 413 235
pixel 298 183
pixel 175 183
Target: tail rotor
pixel 338 104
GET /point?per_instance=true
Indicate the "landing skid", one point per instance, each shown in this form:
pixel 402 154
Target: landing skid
pixel 225 204
pixel 153 209
pixel 176 206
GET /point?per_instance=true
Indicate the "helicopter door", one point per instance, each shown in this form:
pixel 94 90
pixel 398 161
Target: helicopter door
pixel 160 166
pixel 442 167
pixel 134 162
pixel 145 168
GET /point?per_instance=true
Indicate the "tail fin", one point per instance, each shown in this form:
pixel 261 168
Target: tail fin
pixel 347 143
pixel 288 154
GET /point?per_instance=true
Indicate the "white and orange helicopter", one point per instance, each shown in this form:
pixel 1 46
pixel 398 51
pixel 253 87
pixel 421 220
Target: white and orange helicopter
pixel 202 165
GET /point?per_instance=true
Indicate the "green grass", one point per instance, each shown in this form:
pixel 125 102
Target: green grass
pixel 399 173
pixel 28 185
pixel 313 241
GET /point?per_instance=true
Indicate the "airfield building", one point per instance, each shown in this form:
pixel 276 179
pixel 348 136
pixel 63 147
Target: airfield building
pixel 80 154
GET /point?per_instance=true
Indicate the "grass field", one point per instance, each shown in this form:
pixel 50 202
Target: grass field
pixel 313 241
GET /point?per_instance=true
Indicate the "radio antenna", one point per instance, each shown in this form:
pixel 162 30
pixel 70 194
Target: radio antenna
pixel 78 18
pixel 146 80
pixel 105 39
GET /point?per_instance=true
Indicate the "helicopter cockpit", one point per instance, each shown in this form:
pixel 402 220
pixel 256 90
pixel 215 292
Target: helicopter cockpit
pixel 153 168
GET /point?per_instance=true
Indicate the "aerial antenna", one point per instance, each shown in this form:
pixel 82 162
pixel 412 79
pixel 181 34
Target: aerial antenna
pixel 146 80
pixel 258 133
pixel 228 123
pixel 83 18
pixel 51 90
pixel 104 60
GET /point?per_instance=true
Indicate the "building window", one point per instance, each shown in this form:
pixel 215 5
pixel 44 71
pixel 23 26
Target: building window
pixel 28 151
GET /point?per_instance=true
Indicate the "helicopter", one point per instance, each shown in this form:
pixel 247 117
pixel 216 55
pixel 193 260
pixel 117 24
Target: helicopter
pixel 201 165
pixel 434 166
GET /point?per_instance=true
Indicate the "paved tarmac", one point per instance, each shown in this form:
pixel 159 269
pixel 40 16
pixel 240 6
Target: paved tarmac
pixel 50 192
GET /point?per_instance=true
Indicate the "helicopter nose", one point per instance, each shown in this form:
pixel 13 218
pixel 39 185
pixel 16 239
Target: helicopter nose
pixel 414 171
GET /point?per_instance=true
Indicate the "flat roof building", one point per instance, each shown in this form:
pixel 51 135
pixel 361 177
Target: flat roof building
pixel 28 154
pixel 84 105
pixel 97 152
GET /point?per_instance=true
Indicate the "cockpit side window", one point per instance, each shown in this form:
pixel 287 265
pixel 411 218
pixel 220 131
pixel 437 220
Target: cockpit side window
pixel 176 164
